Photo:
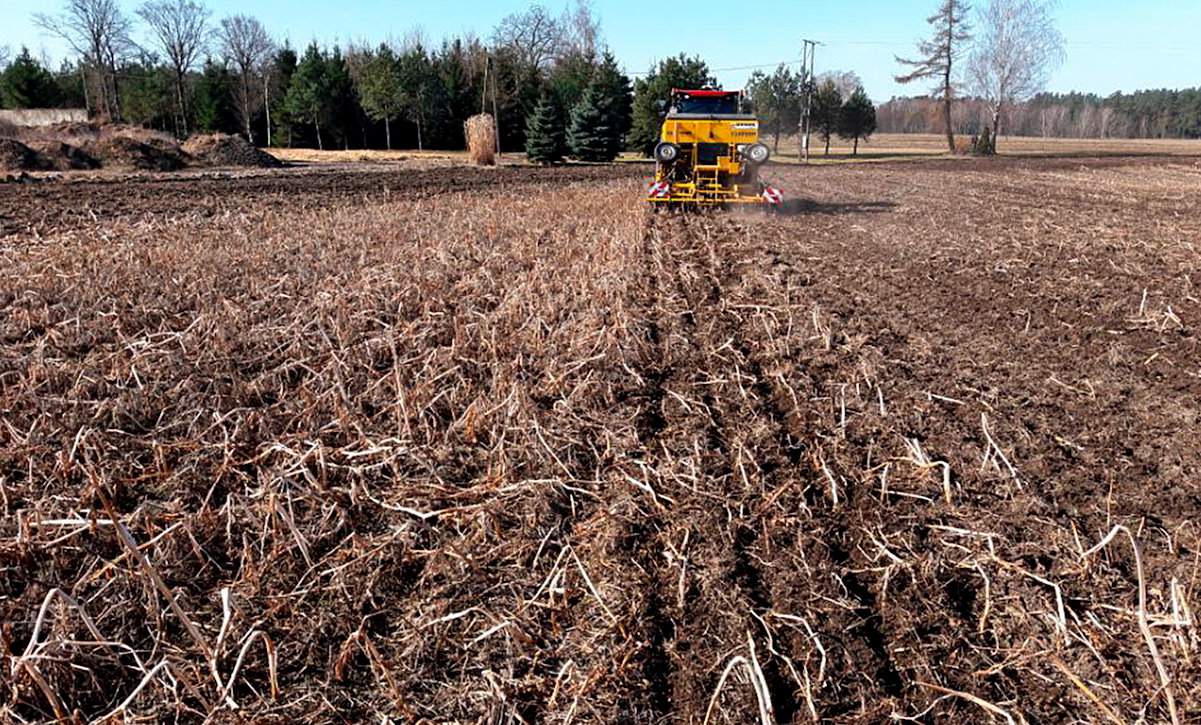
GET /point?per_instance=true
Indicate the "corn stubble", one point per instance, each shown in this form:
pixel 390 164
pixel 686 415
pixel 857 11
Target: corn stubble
pixel 472 458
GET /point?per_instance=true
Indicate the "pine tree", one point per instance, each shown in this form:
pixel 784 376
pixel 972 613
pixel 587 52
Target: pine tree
pixel 308 98
pixel 680 72
pixel 213 100
pixel 590 135
pixel 68 84
pixel 616 102
pixel 827 107
pixel 25 83
pixel 454 94
pixel 146 90
pixel 380 89
pixel 569 78
pixel 777 100
pixel 283 67
pixel 345 111
pixel 544 139
pixel 857 119
pixel 518 87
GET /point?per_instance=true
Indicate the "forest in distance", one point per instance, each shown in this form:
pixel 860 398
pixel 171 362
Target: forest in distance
pixel 170 65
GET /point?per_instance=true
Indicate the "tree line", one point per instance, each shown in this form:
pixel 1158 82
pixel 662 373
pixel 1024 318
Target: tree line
pixel 1172 114
pixel 548 79
pixel 1004 54
pixel 989 69
pixel 838 103
pixel 188 73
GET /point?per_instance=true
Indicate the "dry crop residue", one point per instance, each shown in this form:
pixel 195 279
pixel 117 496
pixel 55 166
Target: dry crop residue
pixel 472 451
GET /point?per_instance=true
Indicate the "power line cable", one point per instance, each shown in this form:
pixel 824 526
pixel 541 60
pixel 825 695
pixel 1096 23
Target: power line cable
pixel 757 66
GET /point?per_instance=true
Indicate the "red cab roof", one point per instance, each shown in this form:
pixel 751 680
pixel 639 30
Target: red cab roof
pixel 705 93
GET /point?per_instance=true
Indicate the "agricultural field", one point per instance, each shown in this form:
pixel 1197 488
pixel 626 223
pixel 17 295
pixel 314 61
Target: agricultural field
pixel 880 147
pixel 443 444
pixel 894 146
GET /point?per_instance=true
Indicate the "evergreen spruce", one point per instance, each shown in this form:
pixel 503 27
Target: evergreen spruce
pixel 778 99
pixel 986 144
pixel 590 135
pixel 283 67
pixel 827 109
pixel 616 99
pixel 569 78
pixel 213 103
pixel 308 99
pixel 343 103
pixel 145 89
pixel 681 72
pixel 857 119
pixel 27 84
pixel 544 139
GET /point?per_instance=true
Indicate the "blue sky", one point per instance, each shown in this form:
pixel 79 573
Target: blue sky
pixel 1111 44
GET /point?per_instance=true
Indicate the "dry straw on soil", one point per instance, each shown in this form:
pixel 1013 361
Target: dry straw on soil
pixel 481 139
pixel 438 451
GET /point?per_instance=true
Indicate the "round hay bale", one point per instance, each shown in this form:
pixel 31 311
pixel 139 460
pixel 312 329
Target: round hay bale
pixel 481 139
pixel 221 149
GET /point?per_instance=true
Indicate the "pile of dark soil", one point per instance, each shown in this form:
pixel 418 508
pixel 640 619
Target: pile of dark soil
pixel 129 153
pixel 220 149
pixel 16 156
pixel 59 156
pixel 72 132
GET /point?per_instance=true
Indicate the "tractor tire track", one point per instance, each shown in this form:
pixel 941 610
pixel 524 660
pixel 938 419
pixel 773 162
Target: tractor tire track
pixel 719 338
pixel 734 266
pixel 869 639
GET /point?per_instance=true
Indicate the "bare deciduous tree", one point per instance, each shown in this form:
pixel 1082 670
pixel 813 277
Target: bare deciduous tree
pixel 845 81
pixel 1017 49
pixel 939 54
pixel 581 29
pixel 246 44
pixel 180 30
pixel 98 32
pixel 535 36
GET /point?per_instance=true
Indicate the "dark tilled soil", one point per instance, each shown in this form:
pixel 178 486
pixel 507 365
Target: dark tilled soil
pixel 226 150
pixel 505 446
pixel 82 203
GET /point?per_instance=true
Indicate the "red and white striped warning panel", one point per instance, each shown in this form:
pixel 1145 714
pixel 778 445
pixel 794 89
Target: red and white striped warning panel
pixel 773 196
pixel 659 190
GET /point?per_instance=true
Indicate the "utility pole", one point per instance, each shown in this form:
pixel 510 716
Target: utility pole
pixel 495 115
pixel 484 101
pixel 808 55
pixel 267 101
pixel 484 96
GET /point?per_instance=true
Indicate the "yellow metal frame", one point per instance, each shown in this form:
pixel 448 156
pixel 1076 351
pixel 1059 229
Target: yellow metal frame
pixel 706 187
